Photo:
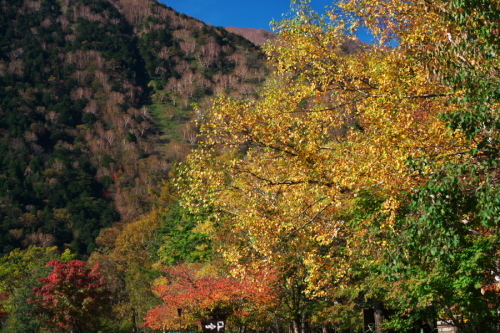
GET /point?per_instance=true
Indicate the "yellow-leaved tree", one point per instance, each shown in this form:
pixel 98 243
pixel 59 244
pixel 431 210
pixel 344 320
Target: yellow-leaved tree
pixel 339 121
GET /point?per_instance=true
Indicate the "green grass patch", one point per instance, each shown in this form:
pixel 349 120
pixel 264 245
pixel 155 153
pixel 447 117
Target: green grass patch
pixel 168 118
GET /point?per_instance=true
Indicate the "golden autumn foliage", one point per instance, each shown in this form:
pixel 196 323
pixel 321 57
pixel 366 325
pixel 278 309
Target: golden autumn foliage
pixel 285 175
pixel 281 170
pixel 125 260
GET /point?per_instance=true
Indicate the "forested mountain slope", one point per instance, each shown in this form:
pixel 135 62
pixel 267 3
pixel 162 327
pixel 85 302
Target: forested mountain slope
pixel 257 36
pixel 95 108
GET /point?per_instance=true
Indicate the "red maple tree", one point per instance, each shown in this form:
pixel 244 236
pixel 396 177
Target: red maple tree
pixel 201 296
pixel 72 296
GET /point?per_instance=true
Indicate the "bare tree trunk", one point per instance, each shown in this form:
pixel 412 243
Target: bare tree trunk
pixel 277 325
pixel 134 322
pixel 303 323
pixel 296 325
pixel 378 308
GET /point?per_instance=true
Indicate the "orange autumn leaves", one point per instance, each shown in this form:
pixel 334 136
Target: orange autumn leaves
pixel 201 295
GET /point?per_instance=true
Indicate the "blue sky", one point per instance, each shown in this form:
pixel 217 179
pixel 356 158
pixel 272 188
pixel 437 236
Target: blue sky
pixel 236 13
pixel 240 13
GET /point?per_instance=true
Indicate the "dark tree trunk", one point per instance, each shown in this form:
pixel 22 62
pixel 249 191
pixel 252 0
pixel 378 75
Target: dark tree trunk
pixel 378 308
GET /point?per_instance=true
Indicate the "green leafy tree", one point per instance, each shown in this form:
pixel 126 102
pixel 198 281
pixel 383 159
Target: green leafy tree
pixel 19 274
pixel 177 239
pixel 453 266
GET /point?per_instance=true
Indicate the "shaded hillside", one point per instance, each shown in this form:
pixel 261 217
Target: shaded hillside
pixel 257 36
pixel 95 103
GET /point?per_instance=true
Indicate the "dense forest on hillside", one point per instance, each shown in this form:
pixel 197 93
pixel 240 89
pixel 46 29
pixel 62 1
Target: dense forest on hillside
pixel 96 108
pixel 159 174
